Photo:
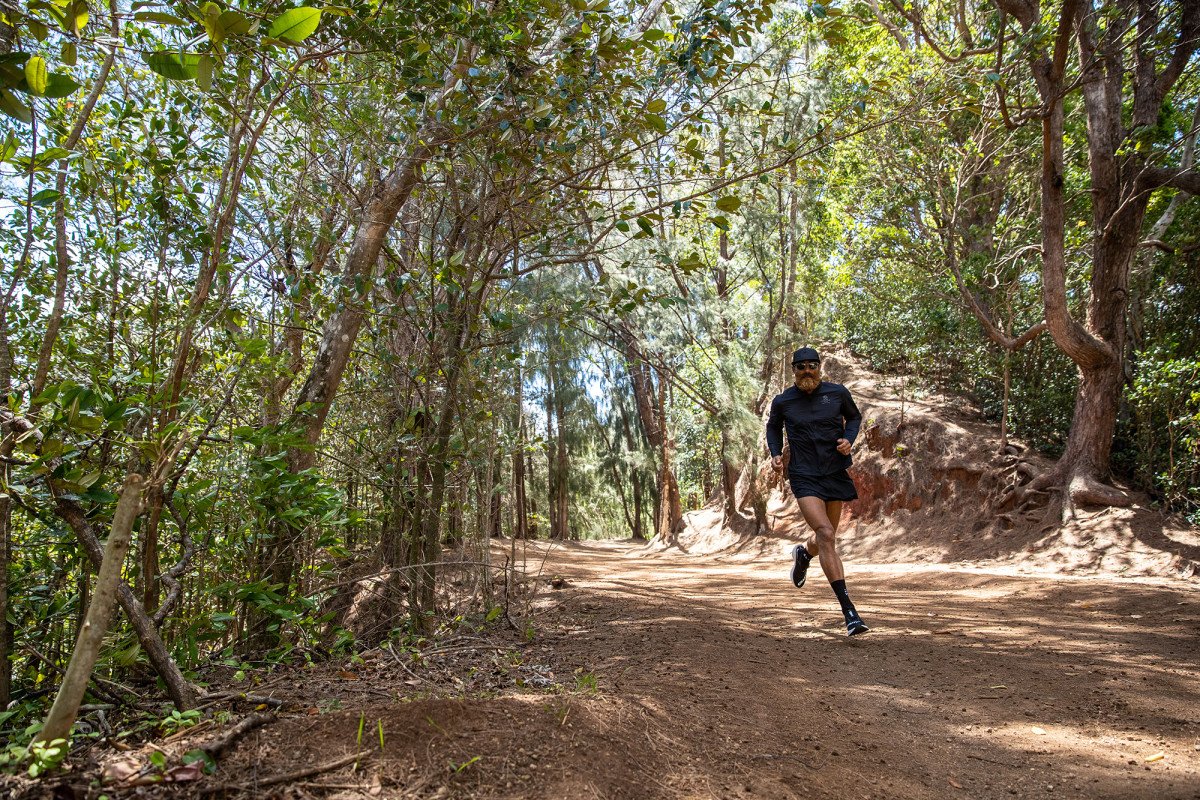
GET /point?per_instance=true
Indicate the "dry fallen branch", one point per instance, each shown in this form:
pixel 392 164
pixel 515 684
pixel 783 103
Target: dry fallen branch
pixel 289 777
pixel 217 747
pixel 402 665
pixel 273 703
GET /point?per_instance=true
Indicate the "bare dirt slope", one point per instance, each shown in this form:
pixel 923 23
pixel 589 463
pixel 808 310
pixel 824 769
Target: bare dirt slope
pixel 663 675
pixel 936 486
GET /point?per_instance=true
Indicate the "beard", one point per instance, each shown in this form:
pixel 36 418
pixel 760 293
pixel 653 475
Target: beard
pixel 810 381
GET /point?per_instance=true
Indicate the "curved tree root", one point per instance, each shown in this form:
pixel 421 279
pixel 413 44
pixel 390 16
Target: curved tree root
pixel 1084 489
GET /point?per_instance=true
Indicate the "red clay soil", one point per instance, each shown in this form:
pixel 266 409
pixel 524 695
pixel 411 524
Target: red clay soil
pixel 656 674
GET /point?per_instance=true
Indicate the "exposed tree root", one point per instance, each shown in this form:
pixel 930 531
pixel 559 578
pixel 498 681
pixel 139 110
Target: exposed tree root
pixel 1055 492
pixel 1086 490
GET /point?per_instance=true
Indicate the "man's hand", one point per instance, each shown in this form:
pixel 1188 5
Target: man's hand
pixel 777 463
pixel 843 446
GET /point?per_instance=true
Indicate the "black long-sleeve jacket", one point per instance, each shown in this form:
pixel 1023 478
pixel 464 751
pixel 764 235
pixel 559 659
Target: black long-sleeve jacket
pixel 814 422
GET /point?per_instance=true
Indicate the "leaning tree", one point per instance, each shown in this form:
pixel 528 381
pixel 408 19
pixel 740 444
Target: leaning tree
pixel 1122 66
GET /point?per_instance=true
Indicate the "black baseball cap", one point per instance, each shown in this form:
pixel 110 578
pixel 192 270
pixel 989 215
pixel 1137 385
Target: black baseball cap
pixel 805 354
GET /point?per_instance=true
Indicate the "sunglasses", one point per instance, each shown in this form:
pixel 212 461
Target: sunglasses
pixel 812 366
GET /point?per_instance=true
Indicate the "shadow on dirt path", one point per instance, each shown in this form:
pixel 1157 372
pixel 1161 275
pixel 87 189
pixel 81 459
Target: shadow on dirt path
pixel 653 674
pixel 1001 684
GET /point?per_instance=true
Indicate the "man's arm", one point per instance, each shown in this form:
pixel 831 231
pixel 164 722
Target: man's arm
pixel 775 428
pixel 852 416
pixel 775 433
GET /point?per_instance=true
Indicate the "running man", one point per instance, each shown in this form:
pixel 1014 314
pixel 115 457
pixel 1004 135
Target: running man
pixel 821 422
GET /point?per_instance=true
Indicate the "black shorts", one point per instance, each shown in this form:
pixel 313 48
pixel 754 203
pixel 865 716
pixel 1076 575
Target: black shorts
pixel 836 486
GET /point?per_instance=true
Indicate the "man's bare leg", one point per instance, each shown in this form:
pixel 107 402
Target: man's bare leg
pixel 823 517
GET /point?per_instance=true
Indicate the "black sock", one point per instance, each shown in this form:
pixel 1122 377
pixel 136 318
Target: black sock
pixel 839 589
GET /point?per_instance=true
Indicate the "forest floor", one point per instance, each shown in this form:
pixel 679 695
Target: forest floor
pixel 654 673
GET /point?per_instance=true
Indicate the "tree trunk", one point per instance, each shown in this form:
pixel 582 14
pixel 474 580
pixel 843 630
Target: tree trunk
pixel 520 503
pixel 425 577
pixel 668 515
pixel 160 658
pixel 1122 182
pixel 562 467
pixel 671 519
pixel 552 439
pixel 7 434
pixel 150 551
pixel 61 717
pixel 635 482
pixel 729 479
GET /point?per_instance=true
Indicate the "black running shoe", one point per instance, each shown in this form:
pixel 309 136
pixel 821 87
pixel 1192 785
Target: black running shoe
pixel 800 561
pixel 854 624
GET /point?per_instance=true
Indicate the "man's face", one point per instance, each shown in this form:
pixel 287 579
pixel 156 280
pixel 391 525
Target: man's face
pixel 808 375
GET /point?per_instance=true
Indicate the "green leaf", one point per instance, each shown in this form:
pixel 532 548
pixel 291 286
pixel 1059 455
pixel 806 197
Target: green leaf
pixel 168 64
pixel 9 148
pixel 720 222
pixel 296 25
pixel 78 16
pixel 35 75
pixel 658 123
pixel 45 197
pixel 729 204
pixel 212 24
pixel 39 30
pixel 60 85
pixel 69 53
pixel 623 226
pixel 653 35
pixel 645 225
pixel 46 156
pixel 14 108
pixel 159 17
pixel 204 72
pixel 656 106
pixel 234 23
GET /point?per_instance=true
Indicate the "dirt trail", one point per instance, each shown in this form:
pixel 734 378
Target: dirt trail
pixel 715 678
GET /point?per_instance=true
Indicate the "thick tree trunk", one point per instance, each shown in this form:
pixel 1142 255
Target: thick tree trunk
pixel 729 479
pixel 635 481
pixel 1121 185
